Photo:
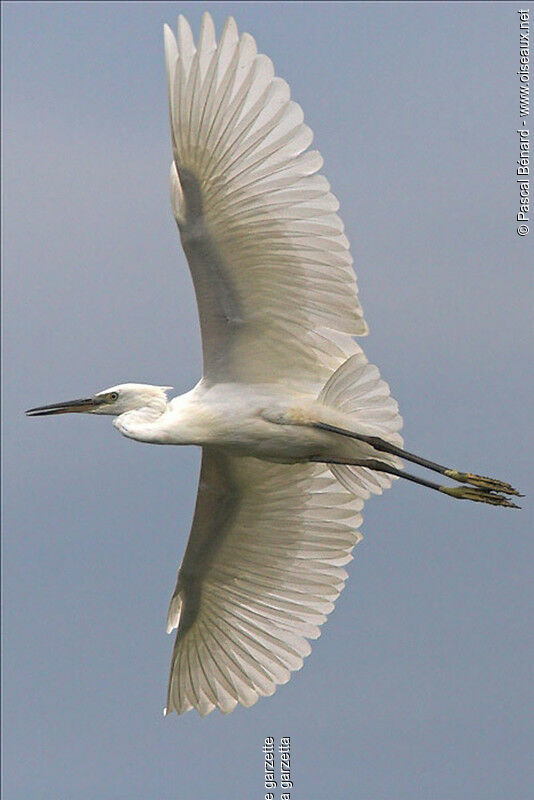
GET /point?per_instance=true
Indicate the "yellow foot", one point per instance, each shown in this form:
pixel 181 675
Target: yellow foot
pixel 477 495
pixel 488 484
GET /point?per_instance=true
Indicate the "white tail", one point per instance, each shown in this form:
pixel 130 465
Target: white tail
pixel 357 389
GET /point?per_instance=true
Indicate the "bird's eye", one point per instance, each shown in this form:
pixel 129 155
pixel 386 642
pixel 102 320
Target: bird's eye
pixel 113 396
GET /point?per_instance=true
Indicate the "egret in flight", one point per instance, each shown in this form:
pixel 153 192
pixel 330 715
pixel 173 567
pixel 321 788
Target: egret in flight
pixel 297 429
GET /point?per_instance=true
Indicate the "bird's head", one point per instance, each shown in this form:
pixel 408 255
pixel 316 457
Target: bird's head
pixel 115 400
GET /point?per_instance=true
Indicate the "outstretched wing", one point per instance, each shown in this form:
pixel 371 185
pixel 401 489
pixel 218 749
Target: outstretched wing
pixel 276 292
pixel 262 569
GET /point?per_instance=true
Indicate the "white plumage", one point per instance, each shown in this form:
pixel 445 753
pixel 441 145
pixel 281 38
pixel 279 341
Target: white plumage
pixel 267 586
pixel 274 281
pixel 297 429
pixel 273 273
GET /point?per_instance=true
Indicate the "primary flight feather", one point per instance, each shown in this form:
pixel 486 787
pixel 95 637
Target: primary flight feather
pixel 296 427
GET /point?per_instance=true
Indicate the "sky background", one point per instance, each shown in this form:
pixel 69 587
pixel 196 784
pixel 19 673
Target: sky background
pixel 420 686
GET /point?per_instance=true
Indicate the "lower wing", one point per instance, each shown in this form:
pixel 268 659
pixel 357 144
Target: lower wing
pixel 262 569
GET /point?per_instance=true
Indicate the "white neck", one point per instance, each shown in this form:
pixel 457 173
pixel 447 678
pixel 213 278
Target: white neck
pixel 140 423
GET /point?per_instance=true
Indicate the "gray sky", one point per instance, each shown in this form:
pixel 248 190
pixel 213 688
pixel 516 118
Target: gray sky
pixel 421 684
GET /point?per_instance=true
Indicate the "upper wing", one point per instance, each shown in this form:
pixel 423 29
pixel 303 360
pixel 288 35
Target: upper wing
pixel 262 568
pixel 273 275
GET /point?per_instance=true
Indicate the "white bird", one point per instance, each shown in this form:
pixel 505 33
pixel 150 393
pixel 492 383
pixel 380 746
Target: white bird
pixel 297 429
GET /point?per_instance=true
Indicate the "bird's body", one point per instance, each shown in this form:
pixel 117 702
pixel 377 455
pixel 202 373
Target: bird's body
pixel 258 420
pixel 297 429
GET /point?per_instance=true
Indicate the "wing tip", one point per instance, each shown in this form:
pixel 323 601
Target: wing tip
pixel 207 23
pixel 186 42
pixel 230 27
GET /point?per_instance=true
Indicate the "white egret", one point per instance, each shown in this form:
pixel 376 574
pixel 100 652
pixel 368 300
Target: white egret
pixel 297 429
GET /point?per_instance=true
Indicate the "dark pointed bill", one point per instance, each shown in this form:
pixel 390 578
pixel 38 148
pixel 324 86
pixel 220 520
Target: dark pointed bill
pixel 71 406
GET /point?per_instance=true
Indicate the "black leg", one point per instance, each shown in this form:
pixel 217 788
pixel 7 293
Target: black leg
pixel 481 482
